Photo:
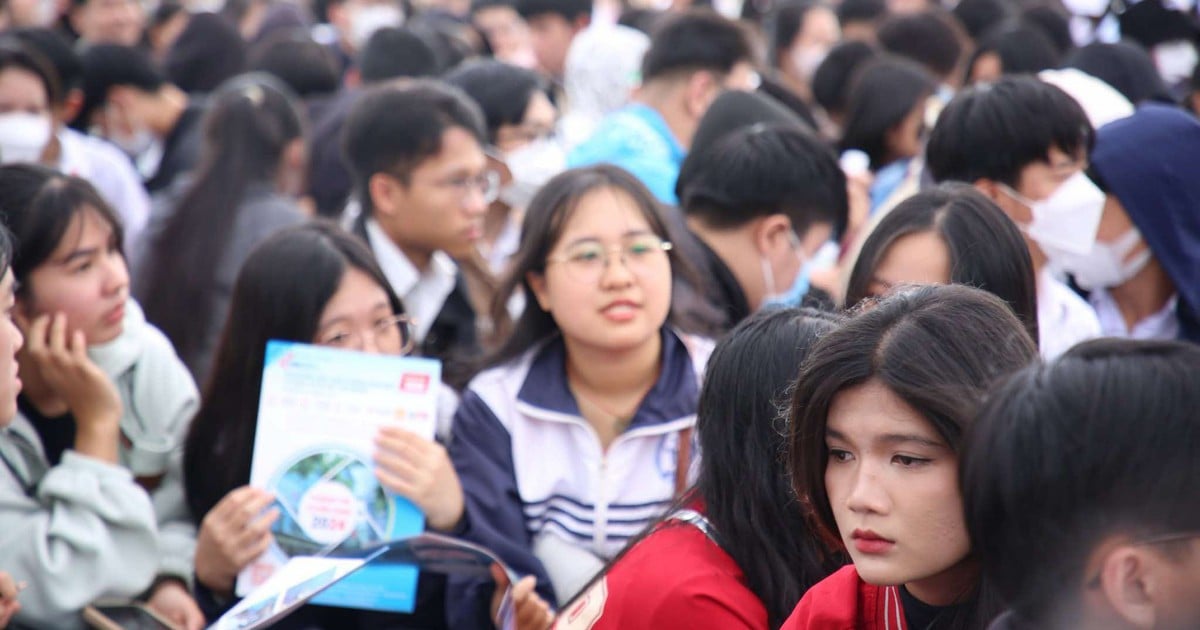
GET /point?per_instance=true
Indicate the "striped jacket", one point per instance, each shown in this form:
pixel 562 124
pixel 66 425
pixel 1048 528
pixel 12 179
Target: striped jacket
pixel 532 467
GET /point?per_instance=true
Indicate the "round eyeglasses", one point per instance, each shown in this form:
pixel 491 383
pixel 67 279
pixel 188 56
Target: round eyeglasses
pixel 397 331
pixel 586 261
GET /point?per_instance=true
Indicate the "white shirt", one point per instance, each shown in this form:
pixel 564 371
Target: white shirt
pixel 1161 325
pixel 423 293
pixel 110 171
pixel 1064 318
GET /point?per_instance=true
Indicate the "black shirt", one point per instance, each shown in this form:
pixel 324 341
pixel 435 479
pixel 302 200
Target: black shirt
pixel 57 434
pixel 181 148
pixel 922 616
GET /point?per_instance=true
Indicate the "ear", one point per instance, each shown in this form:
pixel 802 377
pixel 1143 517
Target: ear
pixel 353 78
pixel 72 103
pixel 989 188
pixel 497 164
pixel 700 92
pixel 771 234
pixel 581 23
pixel 537 282
pixel 1129 583
pixel 295 155
pixel 383 189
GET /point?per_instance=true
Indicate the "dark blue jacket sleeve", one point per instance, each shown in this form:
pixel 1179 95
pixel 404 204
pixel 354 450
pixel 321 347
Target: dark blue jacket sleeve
pixel 493 516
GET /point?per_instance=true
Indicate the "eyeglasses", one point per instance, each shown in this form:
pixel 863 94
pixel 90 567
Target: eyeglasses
pixel 586 262
pixel 486 183
pixel 391 332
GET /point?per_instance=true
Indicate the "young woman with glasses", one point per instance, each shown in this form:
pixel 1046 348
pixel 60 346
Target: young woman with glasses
pixel 340 300
pixel 578 433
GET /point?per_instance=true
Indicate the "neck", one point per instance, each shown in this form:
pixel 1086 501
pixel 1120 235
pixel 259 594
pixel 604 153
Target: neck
pixel 170 102
pixel 420 257
pixel 667 100
pixel 494 222
pixel 731 247
pixel 614 375
pixel 955 585
pixel 1036 255
pixel 1144 294
pixel 37 391
pixel 797 87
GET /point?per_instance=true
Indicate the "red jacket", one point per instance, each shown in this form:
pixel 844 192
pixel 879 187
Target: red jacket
pixel 843 601
pixel 676 578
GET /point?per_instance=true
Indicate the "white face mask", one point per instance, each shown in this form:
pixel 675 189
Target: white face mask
pixel 1175 61
pixel 23 136
pixel 1066 222
pixel 133 143
pixel 807 59
pixel 1087 8
pixel 1105 265
pixel 368 19
pixel 532 166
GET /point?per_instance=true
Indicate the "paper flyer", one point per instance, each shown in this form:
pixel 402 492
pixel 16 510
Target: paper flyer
pixel 319 411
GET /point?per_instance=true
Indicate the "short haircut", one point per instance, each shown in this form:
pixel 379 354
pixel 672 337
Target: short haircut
pixel 763 170
pixel 994 131
pixel 501 90
pixel 208 52
pixel 57 51
pixel 986 249
pixel 1101 442
pixel 981 16
pixel 696 40
pixel 1124 65
pixel 932 38
pixel 1022 49
pixel 392 53
pixel 106 66
pixel 15 53
pixel 832 80
pixel 307 67
pixel 861 11
pixel 883 94
pixel 569 10
pixel 395 128
pixel 1053 22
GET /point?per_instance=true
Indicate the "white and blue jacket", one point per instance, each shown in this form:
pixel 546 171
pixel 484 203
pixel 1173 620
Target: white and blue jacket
pixel 531 466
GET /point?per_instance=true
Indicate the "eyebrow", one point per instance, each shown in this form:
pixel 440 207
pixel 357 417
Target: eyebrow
pixel 79 253
pixel 892 438
pixel 593 239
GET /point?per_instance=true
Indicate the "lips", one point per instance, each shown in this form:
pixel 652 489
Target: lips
pixel 621 310
pixel 115 315
pixel 868 542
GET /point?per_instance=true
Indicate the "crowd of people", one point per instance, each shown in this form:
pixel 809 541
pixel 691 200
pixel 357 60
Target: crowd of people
pixel 753 314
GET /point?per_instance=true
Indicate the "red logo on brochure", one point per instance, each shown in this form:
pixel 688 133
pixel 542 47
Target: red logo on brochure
pixel 414 383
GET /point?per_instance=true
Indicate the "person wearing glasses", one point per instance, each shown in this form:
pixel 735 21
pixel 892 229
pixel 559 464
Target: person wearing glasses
pixel 341 300
pixel 1080 481
pixel 578 433
pixel 420 175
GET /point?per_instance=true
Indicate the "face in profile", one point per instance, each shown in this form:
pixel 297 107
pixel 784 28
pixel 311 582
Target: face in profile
pixel 892 483
pixel 10 342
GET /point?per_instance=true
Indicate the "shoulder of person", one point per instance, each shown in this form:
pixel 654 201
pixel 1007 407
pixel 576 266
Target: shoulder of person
pixel 834 603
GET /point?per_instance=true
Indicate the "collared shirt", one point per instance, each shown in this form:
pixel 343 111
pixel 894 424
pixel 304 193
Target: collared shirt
pixel 638 140
pixel 1064 318
pixel 1161 325
pixel 110 171
pixel 423 293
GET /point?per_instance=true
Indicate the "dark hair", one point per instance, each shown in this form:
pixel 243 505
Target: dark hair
pixel 1021 49
pixel 501 90
pixel 547 215
pixel 392 53
pixel 861 11
pixel 696 40
pixel 37 205
pixel 833 78
pixel 1153 23
pixel 932 38
pixel 209 51
pixel 395 128
pixel 308 68
pixel 986 249
pixel 270 301
pixel 106 66
pixel 1053 22
pixel 14 53
pixel 883 93
pixel 251 120
pixel 1124 65
pixel 56 50
pixel 924 346
pixel 994 131
pixel 764 170
pixel 981 16
pixel 569 10
pixel 784 24
pixel 1100 442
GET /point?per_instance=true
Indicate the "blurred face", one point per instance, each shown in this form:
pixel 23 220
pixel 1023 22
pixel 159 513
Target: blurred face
pixel 892 483
pixel 10 342
pixel 442 205
pixel 110 22
pixel 904 140
pixel 919 258
pixel 359 317
pixel 986 69
pixel 85 278
pixel 818 34
pixel 608 280
pixel 551 36
pixel 1039 180
pixel 505 31
pixel 540 118
pixel 22 91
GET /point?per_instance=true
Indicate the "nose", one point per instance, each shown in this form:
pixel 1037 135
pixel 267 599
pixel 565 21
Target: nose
pixel 117 277
pixel 616 270
pixel 867 494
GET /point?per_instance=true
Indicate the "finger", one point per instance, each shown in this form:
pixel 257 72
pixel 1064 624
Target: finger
pixel 499 575
pixel 399 466
pixel 249 509
pixel 235 498
pixel 58 336
pixel 194 619
pixel 78 348
pixel 524 588
pixel 8 586
pixel 35 341
pixel 403 443
pixel 256 530
pixel 396 484
pixel 249 554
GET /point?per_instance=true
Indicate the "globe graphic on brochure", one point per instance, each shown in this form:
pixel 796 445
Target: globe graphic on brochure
pixel 328 500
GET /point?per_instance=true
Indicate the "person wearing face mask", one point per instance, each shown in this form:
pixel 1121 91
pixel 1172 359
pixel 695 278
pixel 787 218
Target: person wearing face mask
pixel 355 21
pixel 800 35
pixel 1143 269
pixel 1024 144
pixel 129 103
pixel 25 86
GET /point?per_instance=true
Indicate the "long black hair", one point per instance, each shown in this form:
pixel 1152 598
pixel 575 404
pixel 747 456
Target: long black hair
pixel 882 94
pixel 986 249
pixel 271 300
pixel 937 348
pixel 252 120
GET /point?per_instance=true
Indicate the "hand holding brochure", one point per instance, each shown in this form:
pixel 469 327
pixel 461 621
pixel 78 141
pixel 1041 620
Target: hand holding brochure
pixel 319 412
